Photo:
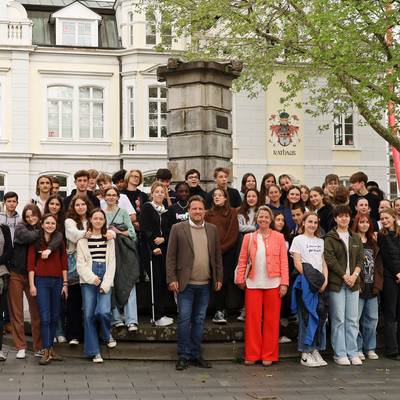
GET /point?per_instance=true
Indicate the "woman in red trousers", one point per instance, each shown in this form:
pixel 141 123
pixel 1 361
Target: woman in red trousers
pixel 263 272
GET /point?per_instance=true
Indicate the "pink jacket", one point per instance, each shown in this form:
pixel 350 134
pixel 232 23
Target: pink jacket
pixel 277 257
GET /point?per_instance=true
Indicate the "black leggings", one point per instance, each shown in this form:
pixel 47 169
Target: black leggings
pixel 3 308
pixel 159 285
pixel 391 312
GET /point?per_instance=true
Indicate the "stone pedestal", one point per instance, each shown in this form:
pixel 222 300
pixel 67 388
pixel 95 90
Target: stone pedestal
pixel 199 106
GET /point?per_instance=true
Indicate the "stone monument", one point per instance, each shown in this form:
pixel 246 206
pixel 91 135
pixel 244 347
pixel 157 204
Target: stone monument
pixel 199 106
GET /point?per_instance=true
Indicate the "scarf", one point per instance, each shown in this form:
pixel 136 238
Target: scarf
pixel 160 209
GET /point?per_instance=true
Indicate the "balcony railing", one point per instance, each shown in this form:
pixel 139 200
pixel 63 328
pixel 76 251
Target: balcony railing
pixel 14 31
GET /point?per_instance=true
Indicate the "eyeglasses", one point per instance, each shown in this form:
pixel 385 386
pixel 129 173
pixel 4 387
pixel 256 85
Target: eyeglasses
pixel 192 177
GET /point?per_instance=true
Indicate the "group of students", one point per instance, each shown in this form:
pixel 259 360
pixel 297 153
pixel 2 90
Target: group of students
pixel 89 249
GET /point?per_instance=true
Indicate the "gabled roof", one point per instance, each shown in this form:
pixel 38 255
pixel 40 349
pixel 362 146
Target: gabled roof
pixel 76 9
pixel 43 31
pixel 93 4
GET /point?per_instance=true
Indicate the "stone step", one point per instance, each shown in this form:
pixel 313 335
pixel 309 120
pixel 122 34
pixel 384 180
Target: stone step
pixel 158 351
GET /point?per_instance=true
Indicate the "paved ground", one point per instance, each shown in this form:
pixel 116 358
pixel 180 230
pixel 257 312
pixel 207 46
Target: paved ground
pixel 79 379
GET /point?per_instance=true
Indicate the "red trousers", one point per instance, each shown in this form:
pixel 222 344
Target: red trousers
pixel 261 340
pixel 17 286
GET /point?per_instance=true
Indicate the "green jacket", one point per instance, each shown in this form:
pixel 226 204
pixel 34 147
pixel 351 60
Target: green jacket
pixel 336 258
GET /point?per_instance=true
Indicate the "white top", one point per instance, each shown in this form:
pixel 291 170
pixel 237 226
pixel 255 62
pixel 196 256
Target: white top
pixel 73 234
pixel 250 225
pixel 311 250
pixel 345 238
pixel 123 202
pixel 260 279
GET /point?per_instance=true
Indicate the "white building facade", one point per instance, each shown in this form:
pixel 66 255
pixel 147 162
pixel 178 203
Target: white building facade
pixel 78 89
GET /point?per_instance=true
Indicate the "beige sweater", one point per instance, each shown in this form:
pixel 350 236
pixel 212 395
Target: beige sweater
pixel 84 264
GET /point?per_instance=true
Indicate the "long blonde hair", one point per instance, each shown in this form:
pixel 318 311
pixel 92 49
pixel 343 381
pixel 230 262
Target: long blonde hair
pixel 392 213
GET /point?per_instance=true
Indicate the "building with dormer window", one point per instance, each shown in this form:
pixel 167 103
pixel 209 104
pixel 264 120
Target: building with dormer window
pixel 78 89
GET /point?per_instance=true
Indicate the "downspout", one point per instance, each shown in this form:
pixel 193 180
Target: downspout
pixel 121 128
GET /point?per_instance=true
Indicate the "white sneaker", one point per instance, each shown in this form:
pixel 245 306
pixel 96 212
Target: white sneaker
pixel 342 361
pixel 318 358
pixel 74 342
pixel 97 359
pixel 164 321
pixel 308 360
pixel 372 355
pixel 242 315
pixel 284 339
pixel 361 355
pixel 61 339
pixel 39 353
pixel 356 361
pixel 119 324
pixel 20 354
pixel 111 343
pixel 3 357
pixel 132 327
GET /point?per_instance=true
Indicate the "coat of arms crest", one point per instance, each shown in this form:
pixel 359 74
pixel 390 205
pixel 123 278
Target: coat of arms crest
pixel 283 130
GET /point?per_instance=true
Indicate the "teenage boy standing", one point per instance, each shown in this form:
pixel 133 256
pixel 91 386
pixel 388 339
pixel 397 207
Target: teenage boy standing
pixel 10 216
pixel 82 182
pixel 221 176
pixel 359 186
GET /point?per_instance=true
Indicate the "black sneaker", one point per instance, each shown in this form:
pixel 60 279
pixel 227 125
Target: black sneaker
pixel 181 364
pixel 219 318
pixel 200 362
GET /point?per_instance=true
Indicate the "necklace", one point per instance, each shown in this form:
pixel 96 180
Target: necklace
pixel 181 206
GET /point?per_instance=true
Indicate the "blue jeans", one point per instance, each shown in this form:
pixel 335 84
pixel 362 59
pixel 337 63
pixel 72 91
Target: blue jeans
pixel 368 320
pixel 130 310
pixel 343 310
pixel 319 341
pixel 192 308
pixel 49 302
pixel 96 308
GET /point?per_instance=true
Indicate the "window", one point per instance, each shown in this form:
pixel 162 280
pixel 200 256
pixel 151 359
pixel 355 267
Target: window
pixel 166 34
pixel 131 112
pixel 343 129
pixel 157 111
pixel 91 113
pixel 151 27
pixel 148 180
pixel 130 28
pixel 59 111
pixel 76 33
pixel 2 187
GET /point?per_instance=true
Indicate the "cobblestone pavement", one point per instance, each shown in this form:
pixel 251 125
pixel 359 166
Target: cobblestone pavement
pixel 76 379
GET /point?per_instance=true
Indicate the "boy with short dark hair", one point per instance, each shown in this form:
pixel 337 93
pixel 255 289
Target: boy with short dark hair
pixel 358 184
pixel 192 178
pixel 10 216
pixel 82 182
pixel 118 179
pixel 298 210
pixel 164 175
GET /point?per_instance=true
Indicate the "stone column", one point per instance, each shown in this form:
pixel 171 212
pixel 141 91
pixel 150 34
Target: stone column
pixel 199 106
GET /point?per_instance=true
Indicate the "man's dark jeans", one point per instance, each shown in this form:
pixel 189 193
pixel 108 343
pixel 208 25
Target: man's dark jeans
pixel 192 307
